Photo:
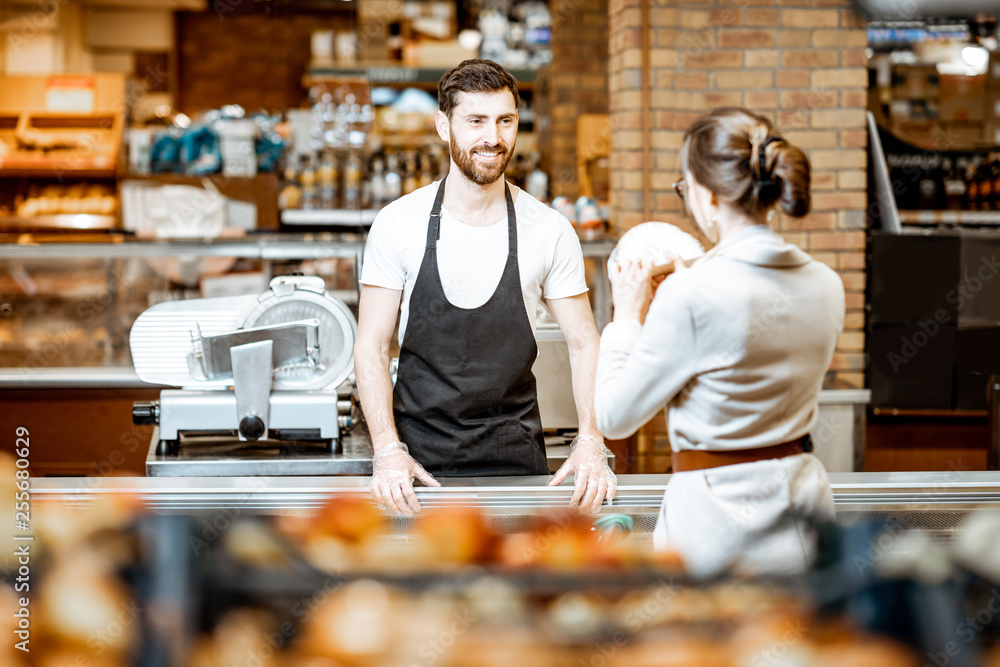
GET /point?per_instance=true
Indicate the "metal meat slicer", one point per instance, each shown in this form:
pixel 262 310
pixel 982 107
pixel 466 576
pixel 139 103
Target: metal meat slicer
pixel 259 378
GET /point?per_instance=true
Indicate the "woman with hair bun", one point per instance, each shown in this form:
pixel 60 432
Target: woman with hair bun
pixel 736 346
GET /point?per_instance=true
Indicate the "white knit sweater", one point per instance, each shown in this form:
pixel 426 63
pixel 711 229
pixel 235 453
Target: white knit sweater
pixel 736 347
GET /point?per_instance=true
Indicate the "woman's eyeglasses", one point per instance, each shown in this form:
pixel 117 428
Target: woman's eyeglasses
pixel 679 188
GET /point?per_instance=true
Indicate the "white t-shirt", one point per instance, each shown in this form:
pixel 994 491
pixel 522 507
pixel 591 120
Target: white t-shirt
pixel 471 259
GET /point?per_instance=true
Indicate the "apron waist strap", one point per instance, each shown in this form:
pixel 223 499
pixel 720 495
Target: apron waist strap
pixel 696 459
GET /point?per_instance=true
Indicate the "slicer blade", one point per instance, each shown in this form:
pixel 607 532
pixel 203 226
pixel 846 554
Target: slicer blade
pixel 160 339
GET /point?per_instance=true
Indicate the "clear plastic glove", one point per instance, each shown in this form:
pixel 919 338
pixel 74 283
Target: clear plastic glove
pixel 393 470
pixel 631 291
pixel 588 461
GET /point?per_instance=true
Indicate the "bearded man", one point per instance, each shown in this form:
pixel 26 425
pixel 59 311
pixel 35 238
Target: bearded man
pixel 464 268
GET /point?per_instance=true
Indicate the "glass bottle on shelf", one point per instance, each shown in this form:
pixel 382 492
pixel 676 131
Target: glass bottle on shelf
pixel 393 181
pixel 537 182
pixel 954 185
pixel 379 187
pixel 410 174
pixel 972 177
pixel 425 177
pixel 986 183
pixel 995 175
pixel 308 179
pixel 352 182
pixel 329 180
pixel 291 192
pixel 928 188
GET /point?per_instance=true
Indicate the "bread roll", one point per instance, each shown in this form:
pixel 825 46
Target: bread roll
pixel 651 243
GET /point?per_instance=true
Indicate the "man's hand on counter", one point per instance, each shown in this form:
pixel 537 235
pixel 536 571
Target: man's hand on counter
pixel 393 470
pixel 588 461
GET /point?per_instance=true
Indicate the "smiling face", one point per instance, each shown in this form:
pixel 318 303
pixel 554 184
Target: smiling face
pixel 481 132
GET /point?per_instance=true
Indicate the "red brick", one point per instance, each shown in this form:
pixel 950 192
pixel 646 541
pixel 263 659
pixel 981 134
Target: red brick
pixel 839 38
pixel 712 60
pixel 854 58
pixel 793 38
pixel 845 118
pixel 729 98
pixel 744 79
pixel 763 17
pixel 811 222
pixel 810 18
pixel 852 180
pixel 761 58
pixel 854 77
pixel 810 58
pixel 837 240
pixel 830 201
pixel 687 40
pixel 691 80
pixel 807 139
pixel 854 301
pixel 674 120
pixel 851 19
pixel 808 100
pixel 695 20
pixel 793 120
pixel 663 57
pixel 758 100
pixel 853 320
pixel 824 180
pixel 726 17
pixel 853 98
pixel 849 380
pixel 839 158
pixel 739 39
pixel 792 78
pixel 854 138
pixel 664 16
pixel 851 341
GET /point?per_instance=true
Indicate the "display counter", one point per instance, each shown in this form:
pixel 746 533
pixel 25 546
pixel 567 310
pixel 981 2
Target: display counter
pixel 934 501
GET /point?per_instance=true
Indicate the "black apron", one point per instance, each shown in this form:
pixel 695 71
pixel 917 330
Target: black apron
pixel 465 401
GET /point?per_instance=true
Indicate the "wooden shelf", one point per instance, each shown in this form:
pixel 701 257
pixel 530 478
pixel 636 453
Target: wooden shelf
pixel 928 412
pixel 397 75
pixel 950 217
pixel 298 216
pixel 71 222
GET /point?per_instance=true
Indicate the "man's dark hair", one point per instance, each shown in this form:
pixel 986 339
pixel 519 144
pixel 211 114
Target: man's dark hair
pixel 474 76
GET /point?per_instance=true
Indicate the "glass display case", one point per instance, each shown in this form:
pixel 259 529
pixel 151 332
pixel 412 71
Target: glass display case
pixel 66 308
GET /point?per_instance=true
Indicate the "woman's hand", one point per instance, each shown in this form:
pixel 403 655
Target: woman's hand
pixel 631 291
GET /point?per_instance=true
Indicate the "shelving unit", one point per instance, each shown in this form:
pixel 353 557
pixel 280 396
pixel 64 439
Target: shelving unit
pixel 298 216
pixel 392 75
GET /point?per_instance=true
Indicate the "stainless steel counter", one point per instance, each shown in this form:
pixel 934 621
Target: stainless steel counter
pixel 932 501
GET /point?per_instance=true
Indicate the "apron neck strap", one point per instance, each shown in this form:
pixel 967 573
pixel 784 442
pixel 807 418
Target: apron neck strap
pixel 434 227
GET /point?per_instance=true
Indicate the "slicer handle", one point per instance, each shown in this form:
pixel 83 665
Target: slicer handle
pixel 146 413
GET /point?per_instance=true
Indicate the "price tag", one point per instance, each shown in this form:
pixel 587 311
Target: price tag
pixel 70 94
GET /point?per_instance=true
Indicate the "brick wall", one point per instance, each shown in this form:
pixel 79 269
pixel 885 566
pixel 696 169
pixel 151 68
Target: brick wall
pixel 256 60
pixel 802 63
pixel 576 83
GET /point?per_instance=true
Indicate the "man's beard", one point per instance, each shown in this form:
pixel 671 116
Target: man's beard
pixel 477 173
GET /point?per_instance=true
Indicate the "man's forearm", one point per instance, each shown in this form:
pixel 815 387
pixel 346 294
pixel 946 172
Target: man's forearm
pixel 583 365
pixel 375 391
